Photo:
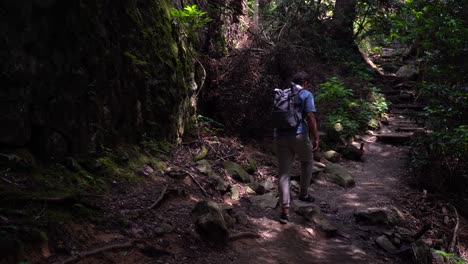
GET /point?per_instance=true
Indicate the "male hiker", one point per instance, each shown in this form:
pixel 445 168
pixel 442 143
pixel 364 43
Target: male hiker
pixel 293 139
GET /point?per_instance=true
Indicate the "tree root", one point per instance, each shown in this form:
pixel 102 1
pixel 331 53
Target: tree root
pixel 96 251
pixel 451 248
pixel 197 182
pixel 161 196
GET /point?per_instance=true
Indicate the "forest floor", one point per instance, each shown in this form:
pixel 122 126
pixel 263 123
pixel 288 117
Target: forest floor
pixel 166 233
pixel 151 221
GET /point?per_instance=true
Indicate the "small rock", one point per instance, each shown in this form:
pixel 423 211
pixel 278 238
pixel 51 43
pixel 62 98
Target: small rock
pixel 145 170
pixel 241 218
pixel 319 165
pixel 314 215
pixel 386 244
pixel 204 167
pixel 295 185
pixel 221 185
pixel 428 242
pixel 176 173
pixel 376 216
pixel 339 175
pixel 446 220
pixel 165 228
pixel 332 156
pixel 235 195
pixel 249 190
pixel 268 200
pixel 258 188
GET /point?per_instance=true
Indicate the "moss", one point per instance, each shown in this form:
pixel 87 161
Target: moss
pixel 202 154
pixel 134 59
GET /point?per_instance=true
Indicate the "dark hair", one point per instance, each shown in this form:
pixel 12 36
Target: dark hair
pixel 300 78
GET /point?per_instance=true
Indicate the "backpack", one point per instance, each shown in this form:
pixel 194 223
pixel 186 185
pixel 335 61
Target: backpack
pixel 287 112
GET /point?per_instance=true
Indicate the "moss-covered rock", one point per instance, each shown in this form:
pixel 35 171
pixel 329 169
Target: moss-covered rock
pixel 237 172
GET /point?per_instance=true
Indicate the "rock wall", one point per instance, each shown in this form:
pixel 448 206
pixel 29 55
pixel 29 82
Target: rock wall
pixel 80 74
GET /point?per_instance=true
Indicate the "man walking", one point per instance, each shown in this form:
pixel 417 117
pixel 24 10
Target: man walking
pixel 291 142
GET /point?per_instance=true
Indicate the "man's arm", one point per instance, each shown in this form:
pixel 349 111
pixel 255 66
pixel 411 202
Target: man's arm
pixel 313 130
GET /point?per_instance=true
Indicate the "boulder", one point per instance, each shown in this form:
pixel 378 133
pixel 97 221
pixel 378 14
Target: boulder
pixel 407 71
pixel 332 156
pixel 204 167
pixel 268 200
pixel 377 216
pixel 209 222
pixel 237 172
pixel 314 215
pixel 385 244
pixel 339 175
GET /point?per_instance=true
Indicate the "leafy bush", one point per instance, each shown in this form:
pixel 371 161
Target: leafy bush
pixel 190 18
pixel 343 113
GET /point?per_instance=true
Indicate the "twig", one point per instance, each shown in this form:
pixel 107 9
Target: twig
pixel 96 251
pixel 455 231
pixel 161 196
pixel 196 181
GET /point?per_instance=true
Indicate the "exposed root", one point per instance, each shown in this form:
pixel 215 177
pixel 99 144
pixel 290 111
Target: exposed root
pixel 161 196
pixel 96 251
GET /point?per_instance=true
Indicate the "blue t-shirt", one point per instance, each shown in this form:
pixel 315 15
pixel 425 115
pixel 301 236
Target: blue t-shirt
pixel 306 99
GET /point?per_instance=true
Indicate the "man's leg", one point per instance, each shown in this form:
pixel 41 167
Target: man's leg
pixel 285 159
pixel 305 155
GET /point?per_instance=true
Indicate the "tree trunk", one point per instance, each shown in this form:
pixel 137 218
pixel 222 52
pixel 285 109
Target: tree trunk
pixel 343 19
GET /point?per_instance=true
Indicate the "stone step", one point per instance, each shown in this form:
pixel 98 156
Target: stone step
pixel 410 129
pixel 395 138
pixel 409 106
pixel 404 111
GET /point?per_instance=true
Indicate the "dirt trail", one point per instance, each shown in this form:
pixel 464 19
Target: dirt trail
pixel 377 182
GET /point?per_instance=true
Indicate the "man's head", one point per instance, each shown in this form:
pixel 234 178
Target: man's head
pixel 301 78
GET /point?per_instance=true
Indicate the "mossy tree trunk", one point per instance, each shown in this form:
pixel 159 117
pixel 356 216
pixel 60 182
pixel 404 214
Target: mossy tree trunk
pixel 81 74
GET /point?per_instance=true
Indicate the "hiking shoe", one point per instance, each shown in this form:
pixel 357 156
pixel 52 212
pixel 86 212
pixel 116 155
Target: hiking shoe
pixel 284 218
pixel 307 198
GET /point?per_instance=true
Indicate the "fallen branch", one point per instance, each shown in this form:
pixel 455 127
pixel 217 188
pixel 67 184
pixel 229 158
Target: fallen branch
pixel 96 251
pixel 161 196
pixel 455 231
pixel 197 182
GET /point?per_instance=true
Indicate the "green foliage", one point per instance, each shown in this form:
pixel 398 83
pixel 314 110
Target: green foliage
pixel 209 125
pixel 438 31
pixel 343 113
pixel 379 105
pixel 190 18
pixel 451 256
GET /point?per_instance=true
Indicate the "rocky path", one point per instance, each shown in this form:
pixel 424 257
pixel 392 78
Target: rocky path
pixel 377 182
